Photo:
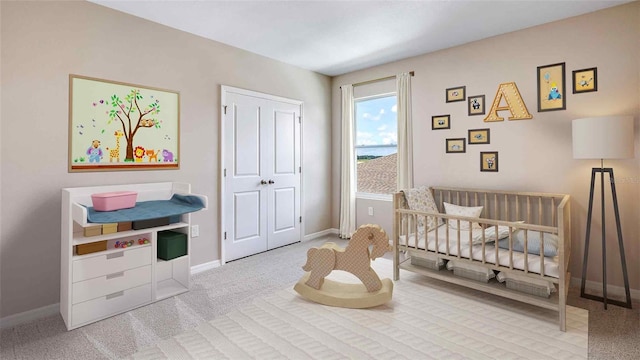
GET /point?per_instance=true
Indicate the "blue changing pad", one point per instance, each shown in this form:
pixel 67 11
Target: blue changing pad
pixel 145 210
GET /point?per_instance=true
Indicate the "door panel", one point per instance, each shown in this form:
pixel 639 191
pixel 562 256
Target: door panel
pixel 285 141
pixel 262 192
pixel 246 207
pixel 246 123
pixel 284 207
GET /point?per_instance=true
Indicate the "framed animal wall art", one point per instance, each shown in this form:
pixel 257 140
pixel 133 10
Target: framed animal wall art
pixel 475 105
pixel 585 80
pixel 121 126
pixel 489 161
pixel 551 87
pixel 456 145
pixel 440 122
pixel 457 93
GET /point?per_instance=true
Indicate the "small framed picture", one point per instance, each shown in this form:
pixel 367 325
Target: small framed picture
pixel 457 93
pixel 440 122
pixel 479 136
pixel 551 88
pixel 476 105
pixel 456 145
pixel 489 161
pixel 585 80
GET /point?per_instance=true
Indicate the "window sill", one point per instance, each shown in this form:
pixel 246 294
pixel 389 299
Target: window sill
pixel 369 196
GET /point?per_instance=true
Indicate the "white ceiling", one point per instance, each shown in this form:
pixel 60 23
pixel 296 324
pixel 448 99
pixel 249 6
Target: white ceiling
pixel 336 37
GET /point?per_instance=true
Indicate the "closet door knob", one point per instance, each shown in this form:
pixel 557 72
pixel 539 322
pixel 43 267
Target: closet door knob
pixel 271 181
pixel 262 182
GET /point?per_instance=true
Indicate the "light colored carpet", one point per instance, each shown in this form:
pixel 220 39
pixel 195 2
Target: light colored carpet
pixel 421 322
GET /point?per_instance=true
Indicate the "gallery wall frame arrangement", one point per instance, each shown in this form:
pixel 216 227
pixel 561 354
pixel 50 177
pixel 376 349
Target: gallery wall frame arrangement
pixel 585 80
pixel 440 122
pixel 551 87
pixel 120 126
pixel 476 105
pixel 489 161
pixel 456 145
pixel 479 136
pixel 457 93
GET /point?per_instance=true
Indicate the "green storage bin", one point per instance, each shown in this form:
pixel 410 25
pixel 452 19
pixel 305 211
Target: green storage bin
pixel 171 244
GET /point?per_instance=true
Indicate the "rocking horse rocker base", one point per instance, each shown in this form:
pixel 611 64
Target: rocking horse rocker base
pixel 354 296
pixel 356 259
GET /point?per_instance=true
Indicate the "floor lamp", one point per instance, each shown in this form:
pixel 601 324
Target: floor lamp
pixel 602 138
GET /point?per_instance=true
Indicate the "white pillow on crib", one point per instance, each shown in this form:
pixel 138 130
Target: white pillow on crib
pixel 490 233
pixel 469 211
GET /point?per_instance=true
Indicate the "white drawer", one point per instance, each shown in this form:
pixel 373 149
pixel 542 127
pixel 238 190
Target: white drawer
pixel 109 284
pixel 111 263
pixel 110 305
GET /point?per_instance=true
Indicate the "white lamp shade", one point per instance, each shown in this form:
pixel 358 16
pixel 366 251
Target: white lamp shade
pixel 607 137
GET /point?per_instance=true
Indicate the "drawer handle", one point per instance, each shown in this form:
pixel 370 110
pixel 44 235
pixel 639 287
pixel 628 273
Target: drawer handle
pixel 115 275
pixel 115 255
pixel 114 295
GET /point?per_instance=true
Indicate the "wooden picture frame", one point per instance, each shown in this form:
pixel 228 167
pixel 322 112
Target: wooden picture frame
pixel 440 122
pixel 551 87
pixel 457 93
pixel 489 161
pixel 476 105
pixel 585 80
pixel 456 145
pixel 121 126
pixel 479 136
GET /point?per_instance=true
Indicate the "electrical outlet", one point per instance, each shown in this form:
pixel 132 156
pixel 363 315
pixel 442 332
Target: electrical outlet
pixel 370 210
pixel 195 231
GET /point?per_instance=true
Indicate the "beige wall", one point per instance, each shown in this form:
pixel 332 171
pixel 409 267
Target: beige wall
pixel 42 43
pixel 535 155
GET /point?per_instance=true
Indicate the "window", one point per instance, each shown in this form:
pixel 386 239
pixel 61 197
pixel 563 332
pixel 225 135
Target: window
pixel 376 144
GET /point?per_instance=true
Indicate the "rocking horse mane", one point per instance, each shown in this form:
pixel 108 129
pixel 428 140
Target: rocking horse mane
pixel 374 235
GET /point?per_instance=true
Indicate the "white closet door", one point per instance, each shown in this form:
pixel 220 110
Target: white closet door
pixel 262 183
pixel 283 219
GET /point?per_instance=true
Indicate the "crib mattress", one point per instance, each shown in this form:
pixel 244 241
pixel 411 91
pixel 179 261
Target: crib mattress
pixel 551 266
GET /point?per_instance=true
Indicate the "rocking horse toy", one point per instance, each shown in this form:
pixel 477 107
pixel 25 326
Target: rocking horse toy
pixel 355 259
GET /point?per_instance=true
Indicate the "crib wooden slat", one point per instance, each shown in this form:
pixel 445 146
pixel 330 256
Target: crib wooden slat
pixel 528 209
pixel 447 235
pixel 486 206
pixel 475 201
pixel 437 236
pixel 542 254
pixel 517 207
pixel 506 207
pixel 496 208
pixel 457 197
pixel 484 255
pixel 466 196
pixel 554 220
pixel 458 236
pixel 510 249
pixel 540 219
pixel 470 242
pixel 526 250
pixel 415 231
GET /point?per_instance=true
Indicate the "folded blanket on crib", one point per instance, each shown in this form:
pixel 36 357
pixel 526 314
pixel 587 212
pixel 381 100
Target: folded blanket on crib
pixel 145 210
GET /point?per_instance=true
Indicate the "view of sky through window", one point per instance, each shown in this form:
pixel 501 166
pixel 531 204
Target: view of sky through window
pixel 376 122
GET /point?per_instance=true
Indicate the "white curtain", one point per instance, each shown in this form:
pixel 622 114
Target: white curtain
pixel 405 132
pixel 348 176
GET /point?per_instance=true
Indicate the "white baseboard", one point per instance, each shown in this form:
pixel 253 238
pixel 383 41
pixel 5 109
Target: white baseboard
pixel 617 291
pixel 30 315
pixel 204 267
pixel 320 234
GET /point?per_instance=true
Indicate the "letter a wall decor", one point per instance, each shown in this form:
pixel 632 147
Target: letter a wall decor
pixel 120 126
pixel 514 103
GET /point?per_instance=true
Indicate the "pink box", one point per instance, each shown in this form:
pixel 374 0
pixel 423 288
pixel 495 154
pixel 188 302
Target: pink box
pixel 114 200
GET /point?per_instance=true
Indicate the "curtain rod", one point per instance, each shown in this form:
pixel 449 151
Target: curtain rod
pixel 380 79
